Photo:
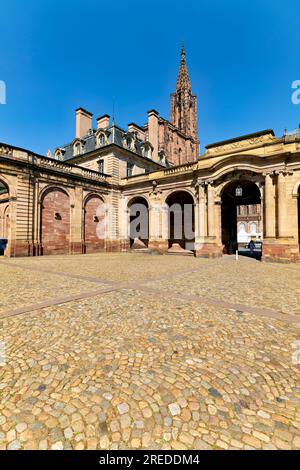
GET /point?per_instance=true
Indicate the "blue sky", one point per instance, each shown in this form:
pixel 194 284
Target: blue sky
pixel 58 55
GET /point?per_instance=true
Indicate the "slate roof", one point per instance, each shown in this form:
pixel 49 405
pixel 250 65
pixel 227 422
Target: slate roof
pixel 115 135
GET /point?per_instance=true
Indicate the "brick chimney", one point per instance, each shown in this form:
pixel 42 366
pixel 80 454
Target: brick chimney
pixel 83 122
pixel 103 121
pixel 153 132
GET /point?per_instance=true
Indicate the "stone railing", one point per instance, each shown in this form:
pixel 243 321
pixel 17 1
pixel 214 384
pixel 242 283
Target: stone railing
pixel 4 150
pixel 45 162
pixel 70 169
pixel 179 169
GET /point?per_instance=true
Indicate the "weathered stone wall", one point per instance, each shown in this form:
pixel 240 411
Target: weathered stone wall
pixel 94 225
pixel 55 222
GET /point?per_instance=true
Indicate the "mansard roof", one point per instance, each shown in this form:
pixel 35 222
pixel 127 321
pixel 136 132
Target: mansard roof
pixel 115 135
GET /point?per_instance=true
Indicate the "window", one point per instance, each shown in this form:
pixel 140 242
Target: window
pixel 101 139
pixel 130 167
pixel 128 143
pixel 101 166
pixel 253 227
pixel 77 149
pixel 146 152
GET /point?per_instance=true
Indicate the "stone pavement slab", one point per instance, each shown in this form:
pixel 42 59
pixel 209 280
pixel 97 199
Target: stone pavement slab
pixel 129 368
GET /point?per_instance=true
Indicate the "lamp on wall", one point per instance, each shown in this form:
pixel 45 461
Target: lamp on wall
pixel 238 191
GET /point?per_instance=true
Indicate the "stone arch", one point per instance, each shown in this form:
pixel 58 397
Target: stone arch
pixel 174 190
pixel 55 221
pixel 53 187
pixel 235 175
pixel 181 220
pixel 237 162
pixel 131 199
pixel 296 187
pixel 94 229
pixel 138 212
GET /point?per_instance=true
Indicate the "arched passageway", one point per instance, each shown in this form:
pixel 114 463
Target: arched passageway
pixel 237 197
pixel 94 225
pixel 138 209
pixel 55 222
pixel 181 223
pixel 4 217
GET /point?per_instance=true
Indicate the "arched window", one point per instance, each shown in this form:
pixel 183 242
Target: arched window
pixel 101 139
pixel 146 152
pixel 253 227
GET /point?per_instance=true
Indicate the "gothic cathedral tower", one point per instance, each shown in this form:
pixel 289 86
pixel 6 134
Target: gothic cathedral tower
pixel 183 112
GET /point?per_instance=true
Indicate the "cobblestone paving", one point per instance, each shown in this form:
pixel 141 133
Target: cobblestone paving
pixel 134 369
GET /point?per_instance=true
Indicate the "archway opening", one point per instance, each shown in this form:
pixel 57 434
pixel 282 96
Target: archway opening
pixel 94 225
pixel 138 223
pixel 181 221
pixel 55 222
pixel 4 217
pixel 241 218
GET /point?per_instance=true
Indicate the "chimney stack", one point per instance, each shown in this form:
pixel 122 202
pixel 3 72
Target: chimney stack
pixel 153 131
pixel 103 121
pixel 83 122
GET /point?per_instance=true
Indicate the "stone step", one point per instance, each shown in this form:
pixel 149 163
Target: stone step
pixel 176 249
pixel 180 253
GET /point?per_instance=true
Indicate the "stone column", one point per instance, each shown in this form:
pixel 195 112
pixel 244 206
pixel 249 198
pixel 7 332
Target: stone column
pixel 202 219
pixel 269 207
pixel 12 235
pixel 123 223
pixel 218 220
pixel 210 210
pixel 36 219
pixel 164 220
pixel 77 220
pixel 158 223
pixel 153 223
pixel 281 209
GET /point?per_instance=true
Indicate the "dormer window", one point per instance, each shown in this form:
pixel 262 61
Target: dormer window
pixel 59 154
pixel 147 149
pixel 78 147
pixel 101 139
pixel 128 143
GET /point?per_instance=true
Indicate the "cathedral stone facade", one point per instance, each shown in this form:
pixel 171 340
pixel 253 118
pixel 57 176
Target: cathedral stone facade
pixel 57 204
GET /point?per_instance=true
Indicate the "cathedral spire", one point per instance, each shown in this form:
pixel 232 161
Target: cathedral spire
pixel 183 80
pixel 183 114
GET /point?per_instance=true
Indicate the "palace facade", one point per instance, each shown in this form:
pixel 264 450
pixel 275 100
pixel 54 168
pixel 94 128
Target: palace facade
pixel 50 205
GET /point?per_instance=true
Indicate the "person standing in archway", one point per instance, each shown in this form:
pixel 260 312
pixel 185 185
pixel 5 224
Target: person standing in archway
pixel 251 246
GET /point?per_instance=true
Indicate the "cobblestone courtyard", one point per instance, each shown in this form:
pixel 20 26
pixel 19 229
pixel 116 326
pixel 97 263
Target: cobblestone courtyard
pixel 157 352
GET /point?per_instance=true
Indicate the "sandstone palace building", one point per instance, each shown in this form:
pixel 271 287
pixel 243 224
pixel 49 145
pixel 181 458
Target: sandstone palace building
pixel 50 205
